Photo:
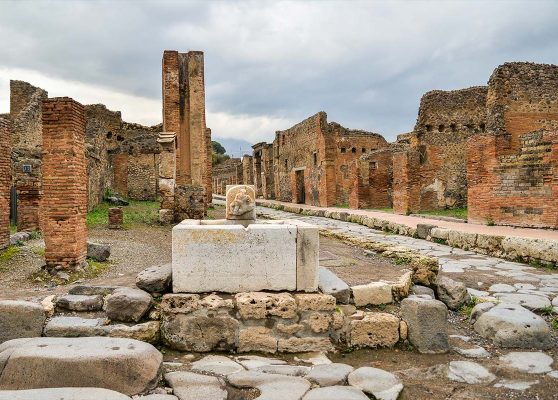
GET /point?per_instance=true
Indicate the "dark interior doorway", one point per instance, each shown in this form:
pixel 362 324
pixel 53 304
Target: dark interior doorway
pixel 300 193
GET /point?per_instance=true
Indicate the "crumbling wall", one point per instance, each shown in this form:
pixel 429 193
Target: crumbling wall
pixel 64 204
pixel 268 172
pixel 5 182
pixel 27 144
pixel 512 168
pixel 445 121
pixel 247 170
pixel 228 172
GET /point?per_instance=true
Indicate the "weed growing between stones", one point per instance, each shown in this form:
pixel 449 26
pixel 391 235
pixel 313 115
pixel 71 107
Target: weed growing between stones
pixel 460 213
pixel 467 308
pixel 548 310
pixel 554 324
pixel 92 270
pixel 9 253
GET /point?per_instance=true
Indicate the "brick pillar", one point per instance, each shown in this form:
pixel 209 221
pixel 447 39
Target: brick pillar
pixel 115 217
pixel 406 188
pixel 5 182
pixel 120 171
pixel 64 203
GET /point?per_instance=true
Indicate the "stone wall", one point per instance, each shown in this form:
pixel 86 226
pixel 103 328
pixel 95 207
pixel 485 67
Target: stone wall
pixel 445 121
pixel 184 114
pixel 228 172
pixel 512 168
pixel 247 170
pixel 26 117
pixel 64 203
pixel 5 182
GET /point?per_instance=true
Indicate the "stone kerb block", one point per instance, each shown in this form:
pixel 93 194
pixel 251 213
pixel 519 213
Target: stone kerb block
pixel 241 202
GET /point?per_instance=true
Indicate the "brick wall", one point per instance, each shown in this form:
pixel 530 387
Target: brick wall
pixel 64 203
pixel 247 170
pixel 5 182
pixel 143 177
pixel 120 173
pixel 228 172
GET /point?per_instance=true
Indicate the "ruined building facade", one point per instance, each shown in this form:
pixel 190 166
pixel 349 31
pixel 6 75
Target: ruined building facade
pixel 228 172
pixel 513 167
pixel 189 190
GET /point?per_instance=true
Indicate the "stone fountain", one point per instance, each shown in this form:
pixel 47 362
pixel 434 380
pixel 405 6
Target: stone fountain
pixel 243 254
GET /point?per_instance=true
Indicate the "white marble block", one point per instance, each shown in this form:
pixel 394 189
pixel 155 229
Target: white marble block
pixel 225 256
pixel 241 202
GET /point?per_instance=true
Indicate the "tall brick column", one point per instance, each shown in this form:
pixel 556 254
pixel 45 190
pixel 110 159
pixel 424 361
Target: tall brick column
pixel 5 182
pixel 64 202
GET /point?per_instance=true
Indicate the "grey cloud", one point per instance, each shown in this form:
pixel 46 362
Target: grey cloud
pixel 365 63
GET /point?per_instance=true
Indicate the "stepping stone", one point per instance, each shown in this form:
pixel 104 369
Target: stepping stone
pixel 251 362
pixel 189 386
pixel 329 374
pixel 289 370
pixel 473 352
pixel 62 326
pixel 469 372
pixel 271 386
pixel 535 362
pixel 502 288
pixel 515 385
pixel 20 319
pixel 127 304
pixel 219 365
pixel 510 325
pixel 124 365
pixel 381 384
pixel 329 283
pixel 335 393
pixel 155 279
pixel 78 302
pixel 72 393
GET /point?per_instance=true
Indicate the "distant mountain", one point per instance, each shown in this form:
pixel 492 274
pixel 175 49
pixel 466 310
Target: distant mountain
pixel 234 147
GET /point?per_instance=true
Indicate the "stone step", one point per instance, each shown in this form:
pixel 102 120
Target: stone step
pixel 79 302
pixel 123 365
pixel 329 283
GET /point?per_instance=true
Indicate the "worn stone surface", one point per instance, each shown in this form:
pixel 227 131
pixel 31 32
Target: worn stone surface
pixel 452 293
pixel 530 301
pixel 156 279
pixel 199 333
pixel 535 362
pixel 373 293
pixel 427 324
pixel 335 393
pixel 377 382
pixel 91 290
pixel 422 290
pixel 146 332
pixel 62 394
pixel 65 326
pixel 187 385
pixel 375 330
pixel 124 365
pixel 510 325
pixel 304 344
pixel 289 370
pixel 76 302
pixel 217 365
pixel 259 305
pixel 331 284
pixel 19 319
pixel 329 374
pixel 271 386
pixel 469 372
pixel 98 251
pixel 127 304
pixel 315 302
pixel 251 361
pixel 256 338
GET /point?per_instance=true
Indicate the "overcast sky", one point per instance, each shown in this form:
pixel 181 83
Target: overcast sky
pixel 270 64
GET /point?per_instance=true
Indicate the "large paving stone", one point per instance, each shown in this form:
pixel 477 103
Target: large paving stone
pixel 124 365
pixel 90 290
pixel 381 384
pixel 62 326
pixel 252 362
pixel 20 319
pixel 218 365
pixel 530 301
pixel 271 386
pixel 62 394
pixel 533 362
pixel 156 279
pixel 427 324
pixel 127 304
pixel 469 372
pixel 335 393
pixel 510 325
pixel 329 283
pixel 78 302
pixel 452 293
pixel 289 370
pixel 190 386
pixel 329 374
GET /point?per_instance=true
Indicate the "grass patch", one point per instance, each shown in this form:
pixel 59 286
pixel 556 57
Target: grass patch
pixel 548 310
pixel 138 212
pixel 467 308
pixel 554 324
pixel 449 212
pixel 9 253
pixel 40 251
pixel 13 229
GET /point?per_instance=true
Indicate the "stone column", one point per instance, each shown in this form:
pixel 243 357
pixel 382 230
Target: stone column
pixel 64 204
pixel 5 182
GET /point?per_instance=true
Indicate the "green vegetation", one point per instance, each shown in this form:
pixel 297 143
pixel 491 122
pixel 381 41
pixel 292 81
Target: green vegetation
pixel 13 228
pixel 40 251
pixel 9 253
pixel 467 308
pixel 490 222
pixel 460 213
pixel 218 154
pixel 548 310
pixel 341 206
pixel 92 270
pixel 138 212
pixel 554 324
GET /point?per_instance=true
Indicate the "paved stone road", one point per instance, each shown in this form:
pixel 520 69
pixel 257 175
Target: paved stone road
pixel 532 287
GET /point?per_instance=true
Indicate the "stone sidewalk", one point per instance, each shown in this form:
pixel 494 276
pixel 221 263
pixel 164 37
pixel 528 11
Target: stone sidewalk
pixel 486 276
